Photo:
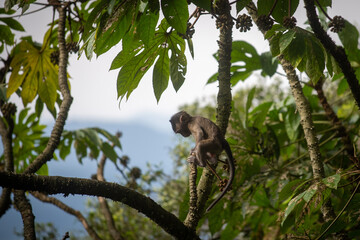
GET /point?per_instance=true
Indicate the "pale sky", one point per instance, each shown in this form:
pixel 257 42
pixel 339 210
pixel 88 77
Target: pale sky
pixel 93 86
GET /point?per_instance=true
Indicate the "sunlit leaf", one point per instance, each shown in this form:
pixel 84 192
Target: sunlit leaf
pixel 34 72
pixel 146 26
pixel 161 73
pixel 176 14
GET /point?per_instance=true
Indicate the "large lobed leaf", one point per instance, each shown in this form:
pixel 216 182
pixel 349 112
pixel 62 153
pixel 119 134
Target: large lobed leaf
pixel 34 73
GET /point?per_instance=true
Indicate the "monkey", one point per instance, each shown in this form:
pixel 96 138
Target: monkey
pixel 210 142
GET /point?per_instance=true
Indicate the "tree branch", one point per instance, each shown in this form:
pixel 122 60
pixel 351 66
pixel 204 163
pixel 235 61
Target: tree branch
pixel 224 98
pixel 303 107
pixel 104 207
pixel 331 115
pixel 337 52
pixel 24 207
pixel 191 218
pixel 58 128
pixel 6 137
pixel 42 197
pixel 54 185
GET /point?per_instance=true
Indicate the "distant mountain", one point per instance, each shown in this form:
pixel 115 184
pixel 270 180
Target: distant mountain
pixel 140 142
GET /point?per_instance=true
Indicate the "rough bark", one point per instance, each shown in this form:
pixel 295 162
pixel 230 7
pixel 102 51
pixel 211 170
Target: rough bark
pixel 42 197
pixel 6 137
pixel 24 207
pixel 55 185
pixel 191 218
pixel 337 52
pixel 224 98
pixel 104 207
pixel 58 128
pixel 303 107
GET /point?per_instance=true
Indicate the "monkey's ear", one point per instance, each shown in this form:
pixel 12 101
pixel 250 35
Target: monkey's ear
pixel 181 118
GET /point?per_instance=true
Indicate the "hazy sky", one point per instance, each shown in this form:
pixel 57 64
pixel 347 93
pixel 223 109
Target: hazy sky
pixel 93 86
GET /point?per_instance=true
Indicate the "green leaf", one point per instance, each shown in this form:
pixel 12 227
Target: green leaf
pixel 315 63
pixel 292 123
pixel 295 201
pixel 268 64
pixel 177 70
pixel 332 181
pixel 349 37
pixel 309 193
pixel 176 14
pixel 109 151
pixel 44 170
pixel 12 23
pixel 146 27
pixel 191 47
pixel 288 190
pixel 132 72
pixel 275 44
pixel 205 4
pixel 295 50
pixel 285 40
pixel 108 136
pixel 260 198
pixel 33 70
pixel 125 55
pixel 88 27
pixel 241 4
pixel 248 58
pixel 259 114
pixel 178 61
pixel 114 29
pixel 93 137
pixel 6 35
pixel 80 149
pixel 249 99
pixel 161 73
pixel 280 10
pixel 213 78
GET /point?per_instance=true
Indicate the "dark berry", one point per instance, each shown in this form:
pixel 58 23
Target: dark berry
pixel 243 22
pixel 264 22
pixel 289 22
pixel 337 24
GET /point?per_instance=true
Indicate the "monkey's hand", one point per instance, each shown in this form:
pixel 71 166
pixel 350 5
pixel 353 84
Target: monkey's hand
pixel 191 158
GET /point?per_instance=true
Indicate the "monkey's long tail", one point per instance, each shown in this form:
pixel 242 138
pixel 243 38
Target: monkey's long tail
pixel 227 149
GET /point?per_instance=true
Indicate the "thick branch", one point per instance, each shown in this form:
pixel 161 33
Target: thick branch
pixel 303 107
pixel 116 192
pixel 6 137
pixel 191 218
pixel 42 197
pixel 24 207
pixel 58 128
pixel 104 207
pixel 224 98
pixel 331 115
pixel 337 52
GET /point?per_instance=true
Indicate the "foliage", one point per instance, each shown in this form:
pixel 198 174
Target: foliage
pixel 274 194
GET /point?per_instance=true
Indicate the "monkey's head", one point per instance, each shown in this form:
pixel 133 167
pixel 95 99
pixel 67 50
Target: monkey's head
pixel 179 123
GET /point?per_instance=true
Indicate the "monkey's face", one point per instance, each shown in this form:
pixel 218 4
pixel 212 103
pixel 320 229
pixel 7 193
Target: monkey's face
pixel 180 127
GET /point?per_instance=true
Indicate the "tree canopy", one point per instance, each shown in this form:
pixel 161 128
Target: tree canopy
pixel 296 154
